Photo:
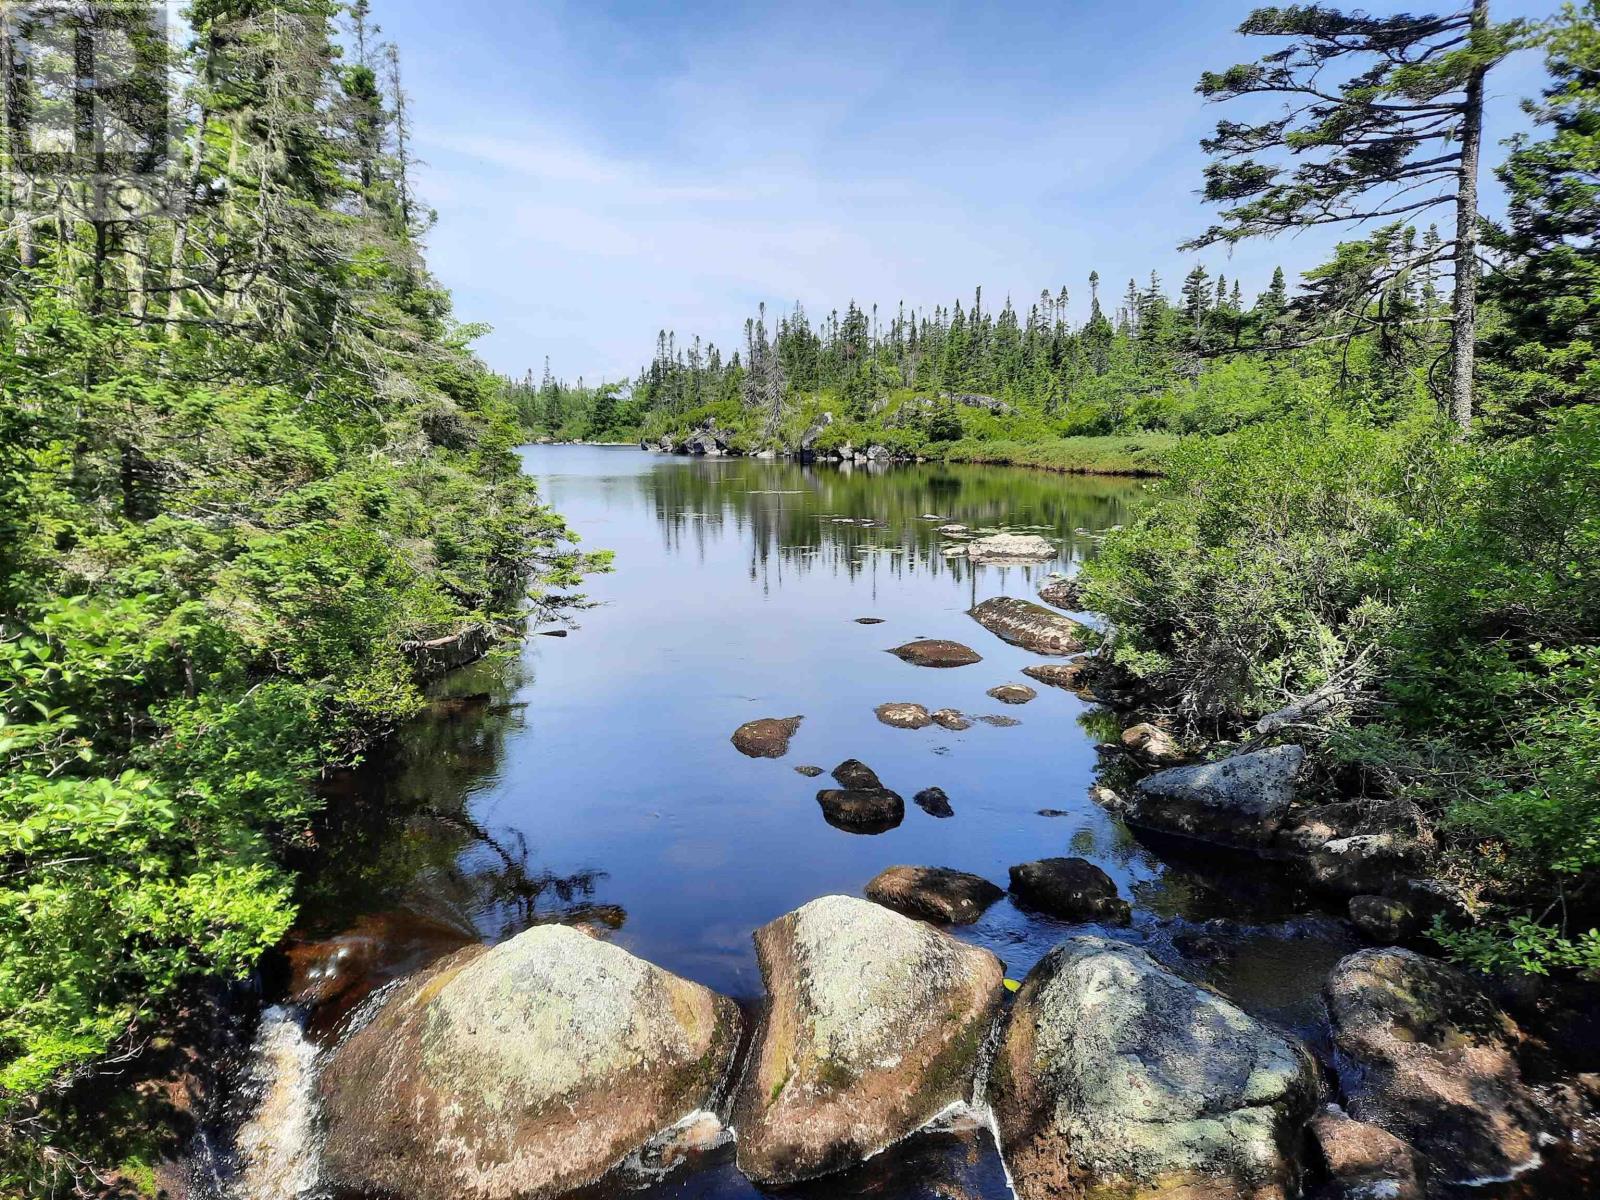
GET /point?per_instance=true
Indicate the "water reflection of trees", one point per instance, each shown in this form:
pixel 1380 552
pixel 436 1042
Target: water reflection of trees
pixel 787 512
pixel 403 834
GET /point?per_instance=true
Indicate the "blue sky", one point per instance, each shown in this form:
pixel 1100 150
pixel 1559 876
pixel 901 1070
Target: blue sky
pixel 606 169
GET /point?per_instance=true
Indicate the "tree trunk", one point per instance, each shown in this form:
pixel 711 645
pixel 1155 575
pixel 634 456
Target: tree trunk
pixel 1464 333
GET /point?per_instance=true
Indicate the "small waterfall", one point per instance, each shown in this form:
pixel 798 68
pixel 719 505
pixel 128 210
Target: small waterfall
pixel 277 1148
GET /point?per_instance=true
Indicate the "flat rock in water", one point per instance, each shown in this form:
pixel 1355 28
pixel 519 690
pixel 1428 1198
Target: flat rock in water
pixel 936 652
pixel 1012 693
pixel 1422 1053
pixel 869 810
pixel 525 1070
pixel 949 718
pixel 1238 801
pixel 854 774
pixel 1072 889
pixel 1031 626
pixel 873 1026
pixel 902 715
pixel 1063 593
pixel 934 802
pixel 1067 675
pixel 1011 548
pixel 1000 722
pixel 1116 1077
pixel 869 620
pixel 767 737
pixel 934 893
pixel 809 771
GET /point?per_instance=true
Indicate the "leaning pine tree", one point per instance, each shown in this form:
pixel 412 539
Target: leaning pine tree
pixel 1382 117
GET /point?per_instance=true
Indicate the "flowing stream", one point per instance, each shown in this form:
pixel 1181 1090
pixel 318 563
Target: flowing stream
pixel 590 778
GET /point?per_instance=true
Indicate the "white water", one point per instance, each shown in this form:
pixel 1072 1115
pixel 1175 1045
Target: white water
pixel 278 1149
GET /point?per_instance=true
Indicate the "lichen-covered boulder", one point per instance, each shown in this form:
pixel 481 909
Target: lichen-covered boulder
pixel 1424 1054
pixel 936 652
pixel 1029 625
pixel 949 718
pixel 933 893
pixel 767 737
pixel 1073 889
pixel 1239 801
pixel 1115 1077
pixel 526 1070
pixel 872 1027
pixel 1384 919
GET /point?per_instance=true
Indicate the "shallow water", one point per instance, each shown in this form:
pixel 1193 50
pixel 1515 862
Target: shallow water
pixel 591 777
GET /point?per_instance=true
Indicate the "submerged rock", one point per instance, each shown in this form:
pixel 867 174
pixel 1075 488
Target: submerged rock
pixel 528 1070
pixel 767 737
pixel 1029 625
pixel 865 810
pixel 809 771
pixel 902 715
pixel 873 1026
pixel 949 718
pixel 1116 1077
pixel 1239 801
pixel 869 620
pixel 1000 721
pixel 1364 1162
pixel 1063 593
pixel 934 802
pixel 1152 744
pixel 1009 548
pixel 1424 1054
pixel 933 893
pixel 1012 693
pixel 936 652
pixel 1072 889
pixel 854 774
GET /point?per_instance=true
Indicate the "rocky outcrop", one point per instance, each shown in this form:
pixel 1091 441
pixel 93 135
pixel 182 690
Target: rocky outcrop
pixel 903 715
pixel 1115 1077
pixel 933 893
pixel 1424 1054
pixel 1029 625
pixel 873 1026
pixel 1012 693
pixel 936 652
pixel 1151 744
pixel 934 802
pixel 862 810
pixel 1238 801
pixel 1063 593
pixel 1363 1162
pixel 1010 549
pixel 522 1071
pixel 1073 889
pixel 767 737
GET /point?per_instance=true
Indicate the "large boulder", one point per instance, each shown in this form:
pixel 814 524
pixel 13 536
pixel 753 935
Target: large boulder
pixel 526 1070
pixel 1239 801
pixel 872 1027
pixel 1073 889
pixel 767 737
pixel 1029 625
pixel 1115 1077
pixel 937 894
pixel 936 652
pixel 1005 549
pixel 1424 1054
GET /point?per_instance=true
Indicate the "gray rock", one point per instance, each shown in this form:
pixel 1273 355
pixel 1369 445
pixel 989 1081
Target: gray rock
pixel 936 652
pixel 767 737
pixel 1424 1054
pixel 873 1026
pixel 1031 626
pixel 1239 801
pixel 936 894
pixel 874 810
pixel 1116 1077
pixel 1072 889
pixel 809 771
pixel 1063 593
pixel 1011 549
pixel 526 1070
pixel 1384 920
pixel 1365 862
pixel 903 715
pixel 934 802
pixel 1012 693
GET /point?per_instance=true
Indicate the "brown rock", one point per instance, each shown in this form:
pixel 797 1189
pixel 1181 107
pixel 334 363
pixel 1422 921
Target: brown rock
pixel 876 810
pixel 1063 593
pixel 1000 721
pixel 1029 625
pixel 936 652
pixel 1072 889
pixel 873 1025
pixel 1363 1161
pixel 1012 693
pixel 936 894
pixel 1151 743
pixel 949 718
pixel 767 737
pixel 869 620
pixel 1068 675
pixel 903 715
pixel 809 771
pixel 855 775
pixel 1382 919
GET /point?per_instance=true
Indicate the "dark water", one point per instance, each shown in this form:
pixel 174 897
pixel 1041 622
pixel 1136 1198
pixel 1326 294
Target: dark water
pixel 591 777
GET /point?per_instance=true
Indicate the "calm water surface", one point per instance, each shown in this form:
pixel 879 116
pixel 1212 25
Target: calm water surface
pixel 591 777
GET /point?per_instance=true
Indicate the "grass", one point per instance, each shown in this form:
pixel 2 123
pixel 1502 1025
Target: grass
pixel 1141 454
